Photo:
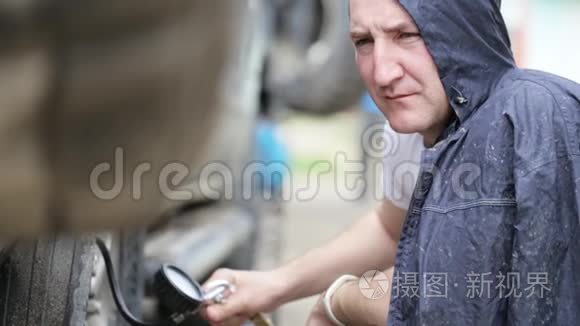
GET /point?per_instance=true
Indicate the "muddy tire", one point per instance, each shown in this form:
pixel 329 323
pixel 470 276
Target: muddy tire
pixel 92 78
pixel 46 282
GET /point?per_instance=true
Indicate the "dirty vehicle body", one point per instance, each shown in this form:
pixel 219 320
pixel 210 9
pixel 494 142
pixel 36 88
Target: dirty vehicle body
pixel 133 121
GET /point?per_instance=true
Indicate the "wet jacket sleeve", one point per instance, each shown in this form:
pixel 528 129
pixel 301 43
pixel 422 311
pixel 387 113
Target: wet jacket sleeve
pixel 545 283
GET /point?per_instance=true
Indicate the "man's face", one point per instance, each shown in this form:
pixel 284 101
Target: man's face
pixel 397 68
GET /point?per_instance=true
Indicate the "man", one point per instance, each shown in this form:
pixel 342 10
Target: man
pixel 492 231
pixel 498 194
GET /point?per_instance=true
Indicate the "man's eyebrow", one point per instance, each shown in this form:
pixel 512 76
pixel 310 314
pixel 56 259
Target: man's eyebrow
pixel 357 32
pixel 394 27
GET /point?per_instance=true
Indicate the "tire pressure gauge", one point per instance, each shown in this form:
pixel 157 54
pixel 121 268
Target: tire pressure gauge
pixel 177 292
pixel 183 296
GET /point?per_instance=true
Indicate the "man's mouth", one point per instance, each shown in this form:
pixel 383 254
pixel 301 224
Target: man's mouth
pixel 398 97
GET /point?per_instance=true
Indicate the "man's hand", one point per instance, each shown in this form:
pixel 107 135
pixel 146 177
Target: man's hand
pixel 254 292
pixel 318 315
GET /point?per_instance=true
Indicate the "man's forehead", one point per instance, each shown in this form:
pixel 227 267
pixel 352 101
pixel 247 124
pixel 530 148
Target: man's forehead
pixel 386 15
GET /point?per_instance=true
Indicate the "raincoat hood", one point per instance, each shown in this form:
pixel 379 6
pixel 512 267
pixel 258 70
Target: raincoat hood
pixel 469 42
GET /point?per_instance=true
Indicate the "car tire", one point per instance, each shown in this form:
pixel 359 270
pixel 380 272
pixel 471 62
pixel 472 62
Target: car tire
pixel 48 281
pixel 319 76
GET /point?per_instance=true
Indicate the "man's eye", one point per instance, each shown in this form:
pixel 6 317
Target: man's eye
pixel 362 41
pixel 409 36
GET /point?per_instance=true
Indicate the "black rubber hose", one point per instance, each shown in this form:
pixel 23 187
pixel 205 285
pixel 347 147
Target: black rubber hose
pixel 117 294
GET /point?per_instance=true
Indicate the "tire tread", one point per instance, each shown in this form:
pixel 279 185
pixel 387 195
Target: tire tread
pixel 45 282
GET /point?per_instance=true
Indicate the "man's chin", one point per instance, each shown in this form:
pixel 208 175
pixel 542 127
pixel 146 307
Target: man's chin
pixel 404 126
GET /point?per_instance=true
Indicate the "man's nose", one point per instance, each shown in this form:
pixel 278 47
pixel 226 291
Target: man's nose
pixel 387 67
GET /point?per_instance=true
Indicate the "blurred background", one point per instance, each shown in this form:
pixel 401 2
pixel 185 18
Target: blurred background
pixel 180 132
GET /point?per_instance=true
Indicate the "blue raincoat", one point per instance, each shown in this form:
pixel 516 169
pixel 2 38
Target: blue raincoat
pixel 492 234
